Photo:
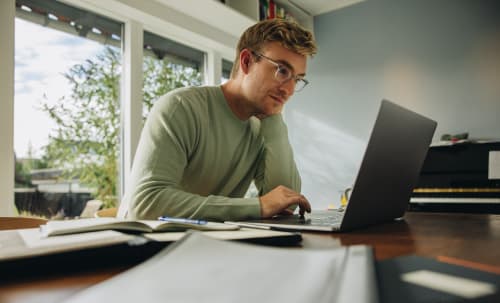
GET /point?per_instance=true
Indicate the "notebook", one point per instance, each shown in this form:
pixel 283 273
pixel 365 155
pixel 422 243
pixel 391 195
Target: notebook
pixel 64 227
pixel 387 175
pixel 25 253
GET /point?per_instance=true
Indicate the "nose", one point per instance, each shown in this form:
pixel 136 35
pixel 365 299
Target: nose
pixel 287 88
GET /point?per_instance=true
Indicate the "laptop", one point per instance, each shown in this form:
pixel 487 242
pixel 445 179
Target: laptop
pixel 388 173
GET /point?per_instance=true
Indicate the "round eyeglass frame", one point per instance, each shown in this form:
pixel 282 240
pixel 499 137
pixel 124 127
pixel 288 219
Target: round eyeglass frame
pixel 299 82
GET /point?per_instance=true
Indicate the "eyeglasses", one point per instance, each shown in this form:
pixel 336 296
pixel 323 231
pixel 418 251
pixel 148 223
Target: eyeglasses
pixel 284 74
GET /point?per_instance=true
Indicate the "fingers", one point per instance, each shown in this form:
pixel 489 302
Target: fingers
pixel 303 203
pixel 280 199
pixel 296 198
pixel 286 212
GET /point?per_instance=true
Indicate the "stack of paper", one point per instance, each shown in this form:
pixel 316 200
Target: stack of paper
pixel 202 269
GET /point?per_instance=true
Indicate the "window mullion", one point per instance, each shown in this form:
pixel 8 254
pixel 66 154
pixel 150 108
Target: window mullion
pixel 213 68
pixel 7 21
pixel 131 99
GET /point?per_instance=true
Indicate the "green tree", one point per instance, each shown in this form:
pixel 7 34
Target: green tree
pixel 160 77
pixel 86 140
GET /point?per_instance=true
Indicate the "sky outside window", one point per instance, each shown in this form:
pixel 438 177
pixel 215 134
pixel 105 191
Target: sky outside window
pixel 42 56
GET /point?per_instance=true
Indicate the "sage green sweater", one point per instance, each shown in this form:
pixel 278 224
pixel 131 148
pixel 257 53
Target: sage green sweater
pixel 196 159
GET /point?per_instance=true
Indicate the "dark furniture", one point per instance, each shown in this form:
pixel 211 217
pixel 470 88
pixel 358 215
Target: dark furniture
pixel 454 178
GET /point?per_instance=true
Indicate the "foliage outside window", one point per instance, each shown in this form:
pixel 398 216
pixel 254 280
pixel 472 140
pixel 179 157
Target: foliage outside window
pixel 162 76
pixel 82 150
pixel 51 39
pixel 86 142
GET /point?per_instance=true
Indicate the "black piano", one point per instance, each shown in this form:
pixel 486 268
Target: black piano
pixel 460 177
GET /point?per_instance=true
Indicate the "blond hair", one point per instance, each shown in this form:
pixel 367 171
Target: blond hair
pixel 289 34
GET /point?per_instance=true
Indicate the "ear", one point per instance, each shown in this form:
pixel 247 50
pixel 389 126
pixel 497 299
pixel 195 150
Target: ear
pixel 245 60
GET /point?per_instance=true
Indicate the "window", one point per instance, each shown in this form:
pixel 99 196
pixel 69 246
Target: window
pixel 227 66
pixel 66 108
pixel 86 34
pixel 168 65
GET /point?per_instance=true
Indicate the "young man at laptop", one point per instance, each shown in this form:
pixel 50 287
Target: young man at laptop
pixel 201 147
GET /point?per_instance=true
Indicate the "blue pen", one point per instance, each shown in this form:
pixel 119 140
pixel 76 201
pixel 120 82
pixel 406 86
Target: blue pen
pixel 183 220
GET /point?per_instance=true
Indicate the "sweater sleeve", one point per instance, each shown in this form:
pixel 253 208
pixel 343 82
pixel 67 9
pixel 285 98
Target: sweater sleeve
pixel 276 164
pixel 168 140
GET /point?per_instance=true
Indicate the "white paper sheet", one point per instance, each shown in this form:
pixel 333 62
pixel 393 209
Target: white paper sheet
pixel 201 269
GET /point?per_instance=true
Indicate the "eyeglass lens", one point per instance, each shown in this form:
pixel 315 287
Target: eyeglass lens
pixel 283 74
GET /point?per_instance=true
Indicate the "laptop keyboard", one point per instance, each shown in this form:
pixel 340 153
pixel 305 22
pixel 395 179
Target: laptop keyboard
pixel 333 217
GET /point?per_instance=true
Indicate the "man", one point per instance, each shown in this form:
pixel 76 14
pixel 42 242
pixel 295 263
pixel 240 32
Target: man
pixel 201 147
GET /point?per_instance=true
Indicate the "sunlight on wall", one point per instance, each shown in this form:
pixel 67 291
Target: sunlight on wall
pixel 327 158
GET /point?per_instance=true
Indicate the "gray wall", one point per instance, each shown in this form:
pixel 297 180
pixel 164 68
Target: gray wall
pixel 439 58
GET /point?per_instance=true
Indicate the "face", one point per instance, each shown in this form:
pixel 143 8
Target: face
pixel 265 94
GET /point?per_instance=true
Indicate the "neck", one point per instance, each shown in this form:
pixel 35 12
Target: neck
pixel 236 101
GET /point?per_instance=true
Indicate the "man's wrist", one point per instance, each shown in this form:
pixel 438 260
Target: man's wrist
pixel 261 205
pixel 273 127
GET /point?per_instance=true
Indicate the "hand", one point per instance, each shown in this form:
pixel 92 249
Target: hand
pixel 279 199
pixel 275 111
pixel 262 116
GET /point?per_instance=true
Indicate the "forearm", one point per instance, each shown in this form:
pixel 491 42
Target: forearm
pixel 153 199
pixel 277 165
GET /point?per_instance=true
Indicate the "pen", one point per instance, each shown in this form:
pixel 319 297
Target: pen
pixel 183 220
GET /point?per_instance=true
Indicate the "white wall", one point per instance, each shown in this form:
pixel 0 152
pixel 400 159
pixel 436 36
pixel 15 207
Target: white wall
pixel 439 58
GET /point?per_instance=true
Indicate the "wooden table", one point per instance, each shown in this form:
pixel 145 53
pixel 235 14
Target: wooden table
pixel 470 237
